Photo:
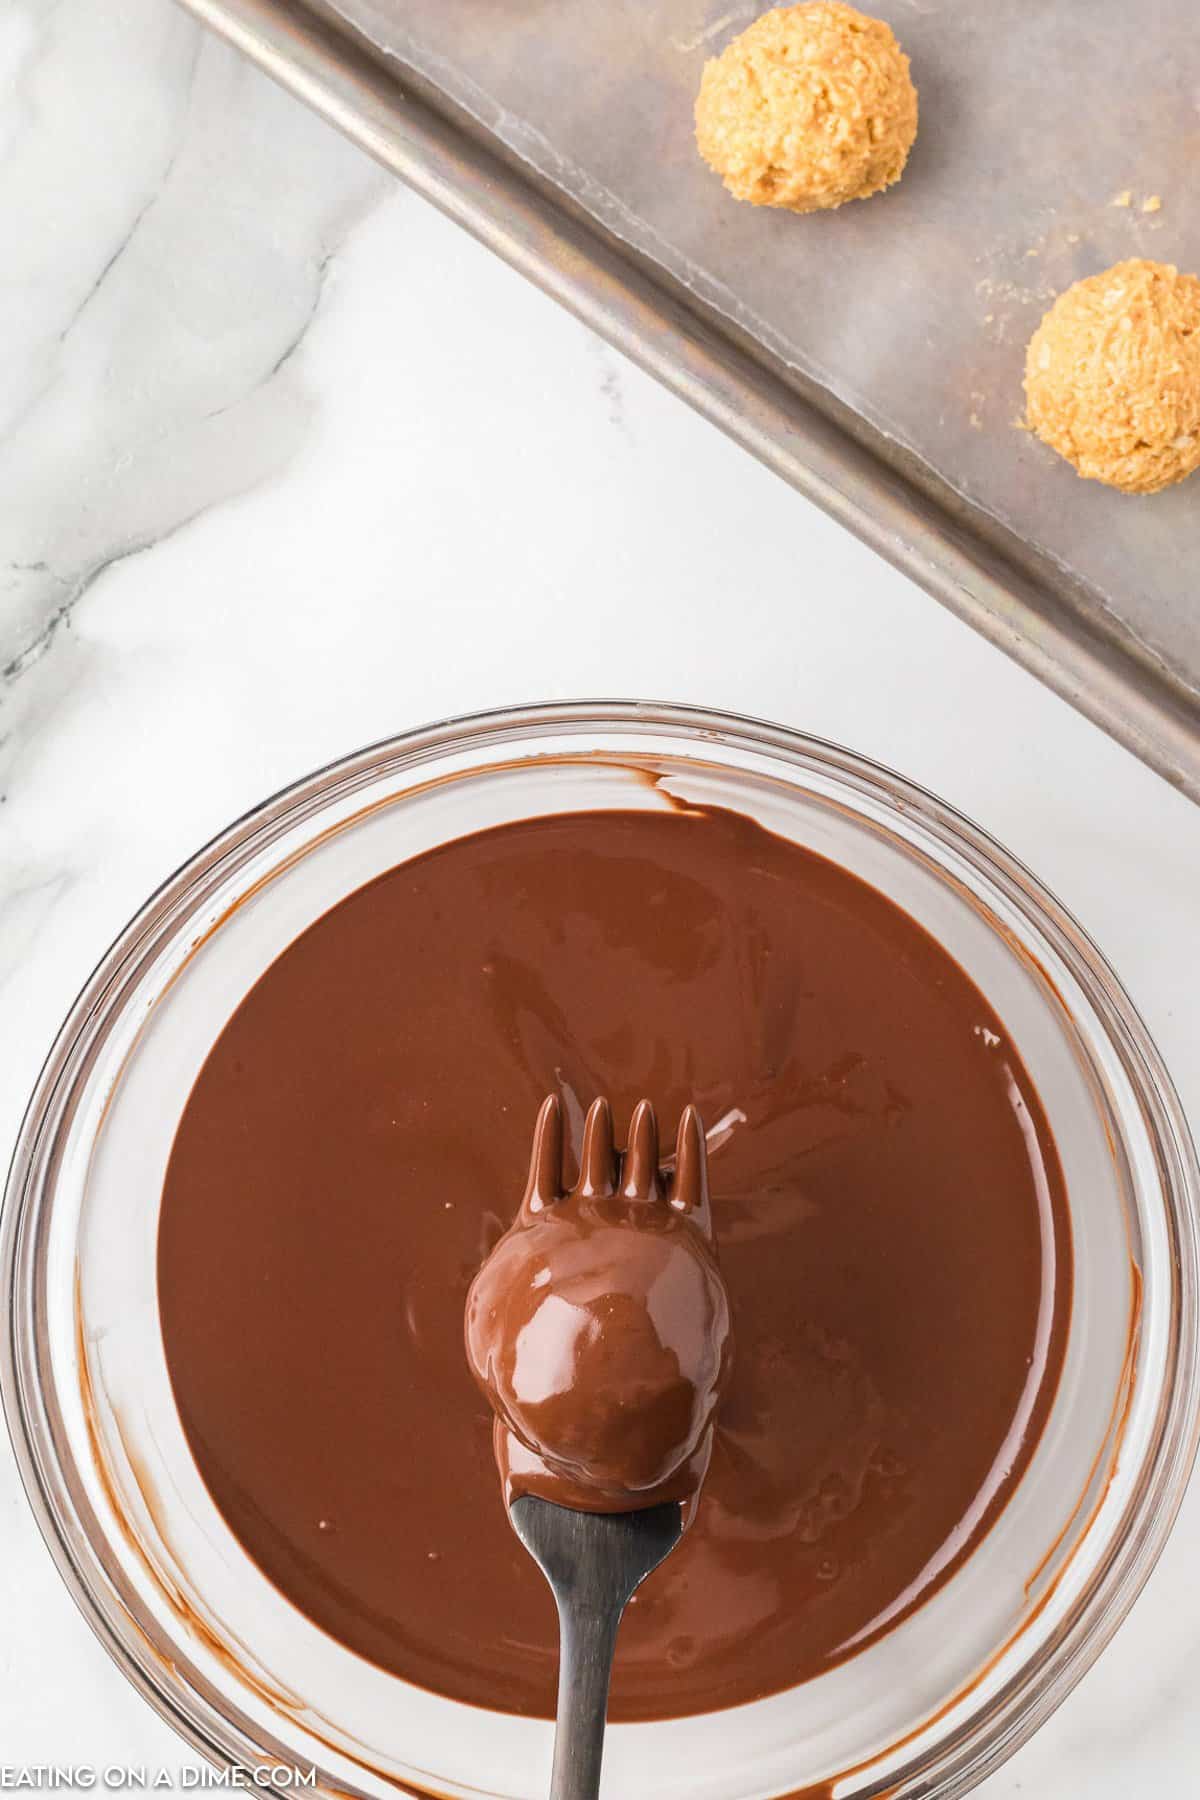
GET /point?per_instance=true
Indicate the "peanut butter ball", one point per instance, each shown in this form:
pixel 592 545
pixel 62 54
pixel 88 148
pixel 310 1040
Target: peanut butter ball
pixel 1112 376
pixel 598 1327
pixel 811 106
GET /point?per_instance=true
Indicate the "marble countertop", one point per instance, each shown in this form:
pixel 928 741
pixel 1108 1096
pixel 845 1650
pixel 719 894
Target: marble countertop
pixel 288 464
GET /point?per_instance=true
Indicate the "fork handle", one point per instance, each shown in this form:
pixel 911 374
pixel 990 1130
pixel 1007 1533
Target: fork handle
pixel 587 1640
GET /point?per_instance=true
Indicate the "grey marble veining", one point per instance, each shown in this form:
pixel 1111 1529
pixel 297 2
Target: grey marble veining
pixel 171 220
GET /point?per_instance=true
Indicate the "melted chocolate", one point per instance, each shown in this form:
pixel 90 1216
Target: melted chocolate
pixel 887 1205
pixel 599 1325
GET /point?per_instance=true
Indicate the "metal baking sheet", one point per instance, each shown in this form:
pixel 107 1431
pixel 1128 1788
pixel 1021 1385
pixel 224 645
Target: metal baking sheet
pixel 872 356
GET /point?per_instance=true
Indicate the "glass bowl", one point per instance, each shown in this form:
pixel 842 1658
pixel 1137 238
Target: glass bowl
pixel 932 1706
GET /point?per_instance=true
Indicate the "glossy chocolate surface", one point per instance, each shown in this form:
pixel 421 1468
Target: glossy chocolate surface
pixel 599 1328
pixel 887 1206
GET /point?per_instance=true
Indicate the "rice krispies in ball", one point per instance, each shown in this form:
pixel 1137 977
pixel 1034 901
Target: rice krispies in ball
pixel 811 106
pixel 1112 376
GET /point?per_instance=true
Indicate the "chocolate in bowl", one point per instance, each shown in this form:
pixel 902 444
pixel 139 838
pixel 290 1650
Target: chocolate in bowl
pixel 888 1208
pixel 936 1698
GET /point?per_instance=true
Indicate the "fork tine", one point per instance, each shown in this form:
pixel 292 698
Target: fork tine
pixel 545 1162
pixel 640 1172
pixel 597 1157
pixel 688 1192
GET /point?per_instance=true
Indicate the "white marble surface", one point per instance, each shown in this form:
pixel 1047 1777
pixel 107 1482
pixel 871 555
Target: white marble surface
pixel 288 464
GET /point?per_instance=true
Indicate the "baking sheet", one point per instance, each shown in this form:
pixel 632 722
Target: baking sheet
pixel 905 317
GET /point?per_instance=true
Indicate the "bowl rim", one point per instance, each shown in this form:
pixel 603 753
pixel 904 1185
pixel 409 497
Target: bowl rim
pixel 983 1740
